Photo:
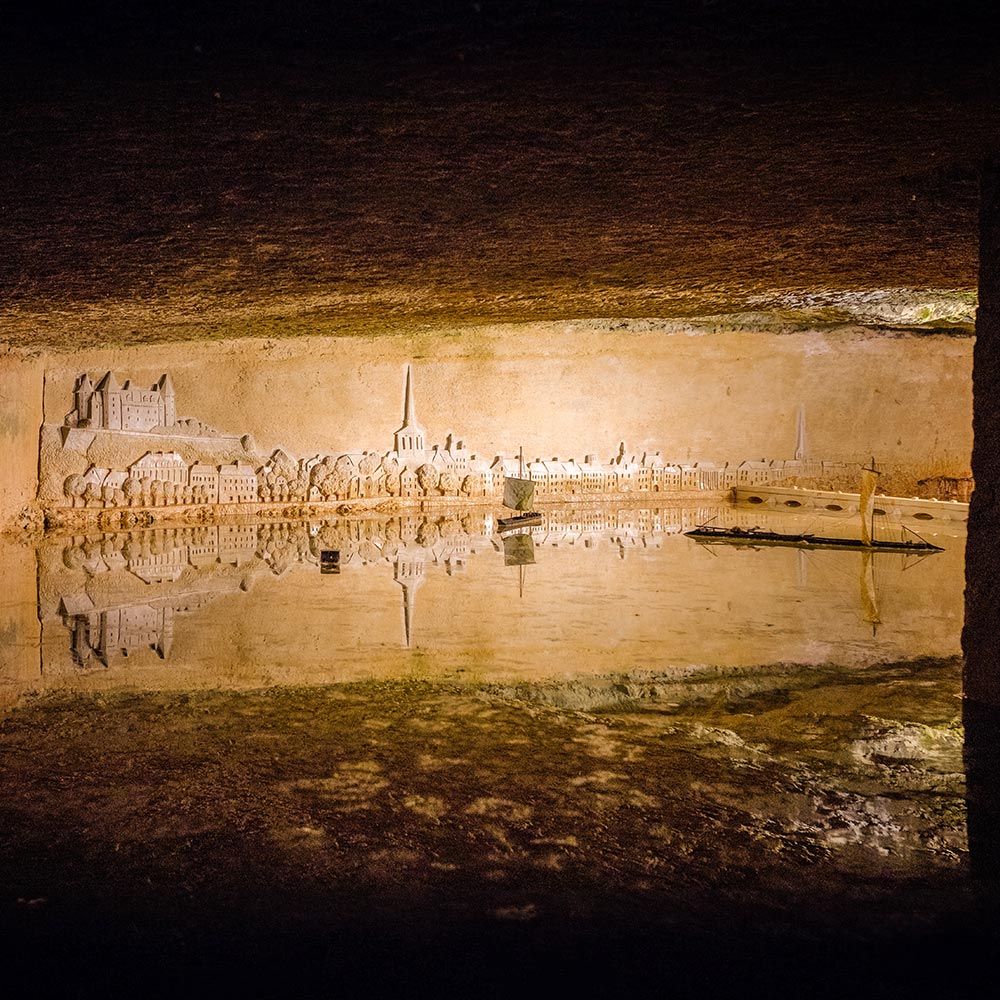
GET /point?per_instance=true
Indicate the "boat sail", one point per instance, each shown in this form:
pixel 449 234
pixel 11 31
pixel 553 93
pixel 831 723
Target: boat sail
pixel 866 504
pixel 867 541
pixel 519 496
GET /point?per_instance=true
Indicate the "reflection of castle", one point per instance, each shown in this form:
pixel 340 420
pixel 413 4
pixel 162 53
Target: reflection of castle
pixel 105 635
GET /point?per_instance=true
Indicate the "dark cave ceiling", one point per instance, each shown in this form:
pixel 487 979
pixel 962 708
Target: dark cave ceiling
pixel 272 170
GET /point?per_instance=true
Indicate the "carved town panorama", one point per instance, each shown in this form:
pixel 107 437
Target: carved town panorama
pixel 123 448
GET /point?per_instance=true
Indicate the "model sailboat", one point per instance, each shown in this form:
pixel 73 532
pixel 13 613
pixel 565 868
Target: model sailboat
pixel 866 541
pixel 519 496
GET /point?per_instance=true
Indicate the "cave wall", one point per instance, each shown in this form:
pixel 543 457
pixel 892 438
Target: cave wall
pixel 567 389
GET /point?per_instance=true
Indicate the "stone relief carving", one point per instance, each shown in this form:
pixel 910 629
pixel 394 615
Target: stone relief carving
pixel 412 469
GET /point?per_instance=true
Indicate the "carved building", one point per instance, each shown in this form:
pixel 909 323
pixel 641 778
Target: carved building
pixel 410 441
pixel 116 407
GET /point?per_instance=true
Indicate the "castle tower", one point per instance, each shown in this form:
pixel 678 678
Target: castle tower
pixel 800 435
pixel 84 392
pixel 168 400
pixel 109 392
pixel 409 440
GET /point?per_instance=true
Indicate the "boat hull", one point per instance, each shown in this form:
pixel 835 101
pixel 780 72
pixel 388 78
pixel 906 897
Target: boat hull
pixel 739 536
pixel 526 520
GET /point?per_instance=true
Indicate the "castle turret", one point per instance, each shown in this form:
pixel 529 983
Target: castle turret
pixel 109 392
pixel 82 396
pixel 168 397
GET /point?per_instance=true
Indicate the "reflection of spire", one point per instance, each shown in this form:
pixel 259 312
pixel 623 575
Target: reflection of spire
pixel 800 434
pixel 803 567
pixel 166 642
pixel 869 600
pixel 409 574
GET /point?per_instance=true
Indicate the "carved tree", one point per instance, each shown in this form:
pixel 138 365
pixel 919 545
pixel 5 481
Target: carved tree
pixel 334 485
pixel 147 490
pixel 319 472
pixel 449 482
pixel 73 488
pixel 170 491
pixel 368 464
pixel 391 466
pixel 91 494
pixel 156 492
pixel 284 466
pixel 472 485
pixel 132 489
pixel 428 477
pixel 391 484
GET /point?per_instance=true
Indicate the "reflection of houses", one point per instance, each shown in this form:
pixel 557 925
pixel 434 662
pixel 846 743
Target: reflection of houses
pixel 116 632
pixel 115 407
pixel 237 543
pixel 159 567
pixel 121 631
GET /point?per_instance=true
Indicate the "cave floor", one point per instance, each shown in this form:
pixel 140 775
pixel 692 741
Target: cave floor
pixel 406 835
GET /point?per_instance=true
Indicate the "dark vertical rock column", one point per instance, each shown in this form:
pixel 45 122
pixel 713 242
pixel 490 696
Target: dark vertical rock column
pixel 981 635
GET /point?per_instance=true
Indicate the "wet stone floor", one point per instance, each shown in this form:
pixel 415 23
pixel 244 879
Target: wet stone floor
pixel 632 834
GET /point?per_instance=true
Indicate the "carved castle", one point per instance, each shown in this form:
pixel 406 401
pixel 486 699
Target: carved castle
pixel 114 407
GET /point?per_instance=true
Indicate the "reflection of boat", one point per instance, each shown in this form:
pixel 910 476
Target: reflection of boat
pixel 867 541
pixel 518 550
pixel 519 495
pixel 329 561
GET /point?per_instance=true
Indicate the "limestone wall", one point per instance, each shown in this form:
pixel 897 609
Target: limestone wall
pixel 565 389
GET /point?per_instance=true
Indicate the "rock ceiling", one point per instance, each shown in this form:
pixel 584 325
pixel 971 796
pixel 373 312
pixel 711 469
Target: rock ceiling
pixel 408 174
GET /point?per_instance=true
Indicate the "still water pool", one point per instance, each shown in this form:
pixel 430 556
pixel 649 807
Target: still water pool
pixel 592 591
pixel 610 751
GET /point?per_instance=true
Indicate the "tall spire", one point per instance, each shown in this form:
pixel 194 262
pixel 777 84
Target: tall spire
pixel 409 440
pixel 409 410
pixel 800 434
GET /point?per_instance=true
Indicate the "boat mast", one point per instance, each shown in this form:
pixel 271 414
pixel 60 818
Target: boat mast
pixel 520 470
pixel 867 500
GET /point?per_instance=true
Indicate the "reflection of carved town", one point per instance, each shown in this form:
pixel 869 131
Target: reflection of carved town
pixel 192 566
pixel 411 468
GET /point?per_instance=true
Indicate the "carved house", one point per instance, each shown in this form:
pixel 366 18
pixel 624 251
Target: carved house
pixel 237 483
pixel 167 466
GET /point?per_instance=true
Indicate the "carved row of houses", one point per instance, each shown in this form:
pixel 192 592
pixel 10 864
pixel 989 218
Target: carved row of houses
pixel 163 477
